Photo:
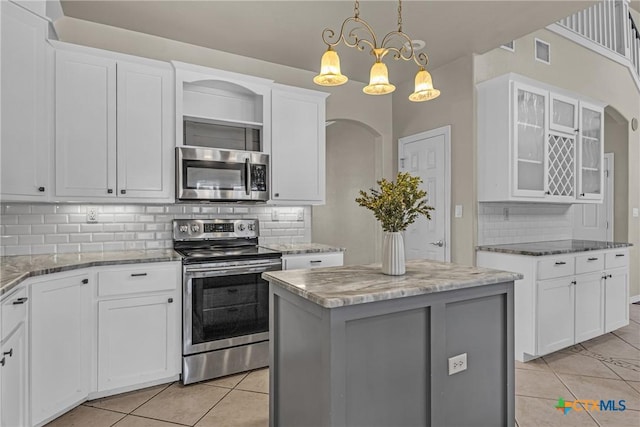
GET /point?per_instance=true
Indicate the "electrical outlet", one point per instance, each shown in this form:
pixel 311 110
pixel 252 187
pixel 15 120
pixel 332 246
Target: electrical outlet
pixel 458 211
pixel 275 215
pixel 300 214
pixel 457 363
pixel 92 214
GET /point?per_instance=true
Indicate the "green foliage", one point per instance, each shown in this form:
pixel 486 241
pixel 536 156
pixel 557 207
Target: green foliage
pixel 397 204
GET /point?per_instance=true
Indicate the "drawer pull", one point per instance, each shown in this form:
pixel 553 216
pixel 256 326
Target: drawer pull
pixel 85 281
pixel 170 300
pixel 20 301
pixel 8 353
pixel 315 262
pixel 592 259
pixel 138 274
pixel 560 263
pixel 617 255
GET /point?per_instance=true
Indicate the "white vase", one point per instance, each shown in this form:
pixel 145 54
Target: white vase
pixel 393 254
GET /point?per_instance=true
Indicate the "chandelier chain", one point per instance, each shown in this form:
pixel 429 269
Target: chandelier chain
pixel 356 9
pixel 400 15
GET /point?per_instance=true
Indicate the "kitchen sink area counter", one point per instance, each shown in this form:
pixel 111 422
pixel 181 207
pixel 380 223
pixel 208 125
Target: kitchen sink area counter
pixel 303 248
pixel 373 349
pixel 554 247
pixel 15 269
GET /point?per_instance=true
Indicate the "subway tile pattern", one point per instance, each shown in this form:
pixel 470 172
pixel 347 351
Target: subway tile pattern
pixel 502 223
pixel 31 229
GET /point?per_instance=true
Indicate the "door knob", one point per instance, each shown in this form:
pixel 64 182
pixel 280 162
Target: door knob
pixel 439 243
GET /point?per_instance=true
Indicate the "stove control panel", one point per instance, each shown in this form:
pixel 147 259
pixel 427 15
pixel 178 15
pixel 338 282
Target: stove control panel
pixel 204 229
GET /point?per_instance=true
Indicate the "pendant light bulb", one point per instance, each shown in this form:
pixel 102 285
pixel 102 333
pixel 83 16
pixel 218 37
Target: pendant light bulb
pixel 379 80
pixel 330 70
pixel 424 90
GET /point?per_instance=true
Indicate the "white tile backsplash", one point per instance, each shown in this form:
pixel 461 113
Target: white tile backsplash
pixel 29 229
pixel 525 222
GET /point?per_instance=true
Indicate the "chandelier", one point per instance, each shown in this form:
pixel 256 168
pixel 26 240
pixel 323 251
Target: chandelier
pixel 356 32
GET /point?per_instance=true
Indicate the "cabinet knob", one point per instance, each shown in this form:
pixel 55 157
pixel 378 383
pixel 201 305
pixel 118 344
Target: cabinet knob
pixel 8 353
pixel 276 195
pixel 170 300
pixel 581 194
pixel 110 190
pixel 573 282
pixel 548 193
pixel 123 191
pixel 41 189
pixel 85 281
pixel 2 362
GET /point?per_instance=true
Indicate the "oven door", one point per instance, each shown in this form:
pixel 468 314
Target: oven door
pixel 221 175
pixel 225 304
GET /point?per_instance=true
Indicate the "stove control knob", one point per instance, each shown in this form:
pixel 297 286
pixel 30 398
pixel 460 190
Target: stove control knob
pixel 195 228
pixel 250 227
pixel 241 227
pixel 184 228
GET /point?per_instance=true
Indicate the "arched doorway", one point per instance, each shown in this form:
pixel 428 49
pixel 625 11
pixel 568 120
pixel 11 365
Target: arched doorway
pixel 354 162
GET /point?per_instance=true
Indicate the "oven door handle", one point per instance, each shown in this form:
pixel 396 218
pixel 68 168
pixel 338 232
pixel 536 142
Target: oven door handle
pixel 223 271
pixel 247 171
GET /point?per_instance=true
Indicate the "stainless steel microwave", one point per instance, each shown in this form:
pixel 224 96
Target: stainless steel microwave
pixel 217 175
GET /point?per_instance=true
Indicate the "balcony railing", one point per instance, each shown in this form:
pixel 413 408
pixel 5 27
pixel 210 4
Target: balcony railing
pixel 607 28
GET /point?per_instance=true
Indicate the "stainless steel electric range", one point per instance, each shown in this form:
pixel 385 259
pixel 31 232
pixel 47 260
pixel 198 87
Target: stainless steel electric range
pixel 225 317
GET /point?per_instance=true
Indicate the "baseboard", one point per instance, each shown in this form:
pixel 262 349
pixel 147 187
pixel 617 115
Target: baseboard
pixel 634 299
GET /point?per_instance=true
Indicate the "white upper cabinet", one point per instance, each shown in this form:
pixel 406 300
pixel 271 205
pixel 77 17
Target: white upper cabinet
pixel 591 154
pixel 114 131
pixel 537 143
pixel 298 146
pixel 210 96
pixel 26 75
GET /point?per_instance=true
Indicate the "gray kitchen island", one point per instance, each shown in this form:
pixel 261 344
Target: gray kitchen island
pixel 351 346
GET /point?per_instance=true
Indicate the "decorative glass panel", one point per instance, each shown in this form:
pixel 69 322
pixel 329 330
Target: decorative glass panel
pixel 563 113
pixel 561 165
pixel 530 130
pixel 591 151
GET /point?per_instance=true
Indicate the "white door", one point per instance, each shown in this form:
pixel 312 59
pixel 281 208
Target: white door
pixel 60 345
pixel 428 156
pixel 594 221
pixel 555 314
pixel 145 134
pixel 589 306
pixel 13 394
pixel 616 299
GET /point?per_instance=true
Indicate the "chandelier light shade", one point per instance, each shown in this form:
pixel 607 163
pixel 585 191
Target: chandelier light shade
pixel 330 70
pixel 424 90
pixel 356 32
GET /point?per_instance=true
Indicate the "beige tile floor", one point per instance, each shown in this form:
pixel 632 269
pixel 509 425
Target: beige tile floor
pixel 607 367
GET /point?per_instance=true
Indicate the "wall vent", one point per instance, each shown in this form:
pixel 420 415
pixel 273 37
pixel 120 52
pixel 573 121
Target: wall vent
pixel 542 51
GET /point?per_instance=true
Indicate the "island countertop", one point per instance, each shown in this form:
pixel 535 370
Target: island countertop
pixel 302 248
pixel 350 285
pixel 553 247
pixel 15 269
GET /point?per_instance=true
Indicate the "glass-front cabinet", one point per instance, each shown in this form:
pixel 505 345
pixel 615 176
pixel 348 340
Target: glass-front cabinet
pixel 529 141
pixel 564 113
pixel 591 153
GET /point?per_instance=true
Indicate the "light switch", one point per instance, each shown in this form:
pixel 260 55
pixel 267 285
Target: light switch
pixel 458 211
pixel 635 212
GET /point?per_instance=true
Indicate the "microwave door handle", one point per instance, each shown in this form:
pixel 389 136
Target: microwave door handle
pixel 247 182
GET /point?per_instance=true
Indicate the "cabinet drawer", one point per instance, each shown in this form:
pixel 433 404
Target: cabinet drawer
pixel 616 259
pixel 142 278
pixel 556 267
pixel 589 263
pixel 14 311
pixel 295 262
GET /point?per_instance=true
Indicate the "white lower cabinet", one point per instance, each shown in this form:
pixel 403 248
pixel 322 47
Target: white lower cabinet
pixel 138 335
pixel 14 396
pixel 60 345
pixel 304 261
pixel 564 299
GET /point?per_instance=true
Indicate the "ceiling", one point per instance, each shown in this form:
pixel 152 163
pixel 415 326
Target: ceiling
pixel 289 32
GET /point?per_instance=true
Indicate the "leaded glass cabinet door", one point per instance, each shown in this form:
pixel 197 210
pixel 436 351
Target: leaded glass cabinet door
pixel 530 129
pixel 591 153
pixel 563 115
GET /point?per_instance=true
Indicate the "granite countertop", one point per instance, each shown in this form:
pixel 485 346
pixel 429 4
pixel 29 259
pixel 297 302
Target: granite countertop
pixel 303 248
pixel 553 247
pixel 15 269
pixel 350 285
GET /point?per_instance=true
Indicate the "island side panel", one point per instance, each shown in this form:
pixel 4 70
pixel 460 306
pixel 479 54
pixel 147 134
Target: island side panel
pixel 299 361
